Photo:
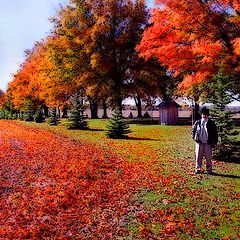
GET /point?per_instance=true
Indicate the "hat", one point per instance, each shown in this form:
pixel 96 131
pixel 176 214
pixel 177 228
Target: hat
pixel 205 111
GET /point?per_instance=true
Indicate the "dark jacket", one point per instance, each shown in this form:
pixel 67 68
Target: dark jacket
pixel 211 129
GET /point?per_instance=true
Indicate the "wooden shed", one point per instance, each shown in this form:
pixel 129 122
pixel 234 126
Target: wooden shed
pixel 168 112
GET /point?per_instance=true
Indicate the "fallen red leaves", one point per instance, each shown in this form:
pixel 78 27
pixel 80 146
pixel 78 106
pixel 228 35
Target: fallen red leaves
pixel 51 186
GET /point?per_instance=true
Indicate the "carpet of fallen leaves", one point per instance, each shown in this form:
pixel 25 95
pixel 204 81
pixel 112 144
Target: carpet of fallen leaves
pixel 52 186
pixel 55 187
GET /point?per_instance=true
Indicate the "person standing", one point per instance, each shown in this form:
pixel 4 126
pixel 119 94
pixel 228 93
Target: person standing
pixel 204 132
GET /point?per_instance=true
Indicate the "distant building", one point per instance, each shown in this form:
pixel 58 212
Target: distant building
pixel 168 112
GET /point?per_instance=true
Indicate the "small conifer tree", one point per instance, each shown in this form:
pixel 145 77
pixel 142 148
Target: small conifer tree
pixel 77 118
pixel 228 147
pixel 29 113
pixel 21 115
pixel 117 128
pixel 2 113
pixel 38 117
pixel 53 118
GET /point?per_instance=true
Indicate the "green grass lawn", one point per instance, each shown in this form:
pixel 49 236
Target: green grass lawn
pixel 190 206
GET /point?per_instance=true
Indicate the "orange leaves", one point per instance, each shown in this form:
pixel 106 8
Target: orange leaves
pixel 27 82
pixel 194 37
pixel 236 44
pixel 194 79
pixel 53 187
pixel 209 48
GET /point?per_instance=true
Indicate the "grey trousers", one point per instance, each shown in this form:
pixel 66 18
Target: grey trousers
pixel 203 149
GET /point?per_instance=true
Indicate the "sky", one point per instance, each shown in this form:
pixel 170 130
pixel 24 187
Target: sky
pixel 22 23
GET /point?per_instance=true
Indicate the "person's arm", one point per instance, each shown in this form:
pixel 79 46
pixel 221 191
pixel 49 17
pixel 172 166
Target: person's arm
pixel 194 132
pixel 194 128
pixel 215 136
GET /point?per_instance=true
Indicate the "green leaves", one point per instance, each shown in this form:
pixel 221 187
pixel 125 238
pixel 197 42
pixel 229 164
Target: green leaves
pixel 53 119
pixel 77 119
pixel 116 127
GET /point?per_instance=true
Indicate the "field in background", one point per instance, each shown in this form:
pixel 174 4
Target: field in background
pixel 153 114
pixel 126 113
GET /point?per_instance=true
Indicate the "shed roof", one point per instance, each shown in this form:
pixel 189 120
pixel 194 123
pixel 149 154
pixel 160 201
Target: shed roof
pixel 168 103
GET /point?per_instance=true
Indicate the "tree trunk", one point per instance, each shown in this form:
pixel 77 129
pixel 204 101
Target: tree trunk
pixel 117 95
pixel 139 106
pixel 104 105
pixel 45 110
pixel 196 115
pixel 94 109
pixel 65 112
pixel 58 112
pixel 119 104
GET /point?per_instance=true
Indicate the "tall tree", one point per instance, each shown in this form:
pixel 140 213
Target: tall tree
pixel 27 82
pixel 195 38
pixel 228 148
pixel 150 79
pixel 104 34
pixel 56 88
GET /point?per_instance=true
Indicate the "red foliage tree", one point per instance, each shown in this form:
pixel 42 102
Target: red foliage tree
pixel 101 37
pixel 194 38
pixel 27 84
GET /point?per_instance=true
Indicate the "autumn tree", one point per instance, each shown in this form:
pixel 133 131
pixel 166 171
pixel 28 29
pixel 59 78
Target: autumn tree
pixel 61 71
pixel 195 38
pixel 150 80
pixel 2 114
pixel 8 109
pixel 27 83
pixel 40 79
pixel 101 37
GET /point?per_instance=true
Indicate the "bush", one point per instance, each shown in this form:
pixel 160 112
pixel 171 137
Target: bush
pixel 77 119
pixel 146 115
pixel 38 117
pixel 117 128
pixel 53 119
pixel 29 112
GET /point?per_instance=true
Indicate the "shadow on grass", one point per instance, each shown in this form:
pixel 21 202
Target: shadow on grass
pixel 95 130
pixel 136 138
pixel 225 175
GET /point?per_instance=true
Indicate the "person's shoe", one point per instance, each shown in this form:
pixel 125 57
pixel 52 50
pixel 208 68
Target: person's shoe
pixel 197 172
pixel 210 173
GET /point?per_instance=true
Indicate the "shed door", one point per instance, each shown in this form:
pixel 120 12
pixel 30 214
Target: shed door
pixel 164 116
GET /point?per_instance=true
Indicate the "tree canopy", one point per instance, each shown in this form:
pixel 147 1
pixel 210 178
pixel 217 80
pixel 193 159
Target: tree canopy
pixel 101 39
pixel 194 38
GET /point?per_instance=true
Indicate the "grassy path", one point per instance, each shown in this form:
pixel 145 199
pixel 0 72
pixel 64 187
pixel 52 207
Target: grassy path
pixel 148 187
